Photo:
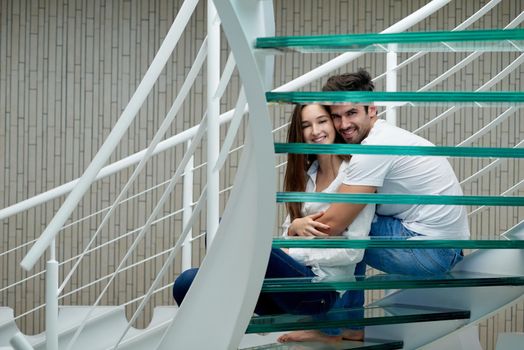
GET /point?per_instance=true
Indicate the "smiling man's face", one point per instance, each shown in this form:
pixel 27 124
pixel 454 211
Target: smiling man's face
pixel 352 121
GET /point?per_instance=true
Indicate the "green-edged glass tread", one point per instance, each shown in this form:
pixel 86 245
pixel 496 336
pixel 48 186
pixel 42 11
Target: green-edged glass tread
pixel 390 281
pixel 493 40
pixel 383 198
pixel 367 344
pixel 423 98
pixel 499 242
pixel 367 316
pixel 448 151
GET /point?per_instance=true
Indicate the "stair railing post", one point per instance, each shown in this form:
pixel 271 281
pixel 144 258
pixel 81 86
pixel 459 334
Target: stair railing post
pixel 391 81
pixel 213 126
pixel 51 296
pixel 187 202
pixel 391 86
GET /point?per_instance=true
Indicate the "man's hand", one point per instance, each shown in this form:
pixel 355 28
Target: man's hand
pixel 307 226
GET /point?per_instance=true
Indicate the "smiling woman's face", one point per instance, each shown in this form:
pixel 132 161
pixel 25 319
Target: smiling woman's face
pixel 317 126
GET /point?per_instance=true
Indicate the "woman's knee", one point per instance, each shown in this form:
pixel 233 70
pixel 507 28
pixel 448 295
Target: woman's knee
pixel 182 284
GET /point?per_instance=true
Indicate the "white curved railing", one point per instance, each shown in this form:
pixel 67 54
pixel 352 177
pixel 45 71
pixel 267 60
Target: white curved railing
pixel 237 117
pixel 114 137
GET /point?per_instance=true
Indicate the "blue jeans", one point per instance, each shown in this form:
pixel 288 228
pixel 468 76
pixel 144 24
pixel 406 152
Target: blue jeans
pixel 280 265
pixel 418 262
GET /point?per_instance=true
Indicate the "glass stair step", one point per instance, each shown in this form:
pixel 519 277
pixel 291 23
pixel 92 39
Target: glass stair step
pixel 367 316
pixel 390 281
pixel 414 98
pixel 493 40
pixel 390 198
pixel 367 344
pixel 499 242
pixel 447 151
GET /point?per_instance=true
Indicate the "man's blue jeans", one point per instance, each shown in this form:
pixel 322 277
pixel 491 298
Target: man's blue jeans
pixel 418 262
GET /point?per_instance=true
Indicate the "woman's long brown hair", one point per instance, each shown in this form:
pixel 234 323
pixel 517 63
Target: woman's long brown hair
pixel 297 164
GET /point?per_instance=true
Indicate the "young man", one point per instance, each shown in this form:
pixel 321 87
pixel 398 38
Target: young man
pixel 415 175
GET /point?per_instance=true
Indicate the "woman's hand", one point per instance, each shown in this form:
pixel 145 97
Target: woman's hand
pixel 307 226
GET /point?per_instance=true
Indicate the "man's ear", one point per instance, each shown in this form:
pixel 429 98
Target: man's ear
pixel 372 111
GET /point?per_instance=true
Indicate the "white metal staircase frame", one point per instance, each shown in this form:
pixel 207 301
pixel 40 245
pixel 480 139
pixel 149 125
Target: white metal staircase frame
pixel 241 226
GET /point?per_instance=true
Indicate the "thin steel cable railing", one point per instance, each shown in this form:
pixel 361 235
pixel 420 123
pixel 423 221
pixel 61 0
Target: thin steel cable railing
pixel 514 23
pixel 166 265
pixel 512 189
pixel 469 21
pixel 94 249
pixel 488 167
pixel 488 127
pixel 136 195
pixel 507 70
pixel 189 153
pixel 114 137
pixel 166 123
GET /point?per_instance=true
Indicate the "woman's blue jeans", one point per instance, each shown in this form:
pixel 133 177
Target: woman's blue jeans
pixel 280 265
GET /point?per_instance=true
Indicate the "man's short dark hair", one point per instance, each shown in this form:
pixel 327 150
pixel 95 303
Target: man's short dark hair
pixel 359 81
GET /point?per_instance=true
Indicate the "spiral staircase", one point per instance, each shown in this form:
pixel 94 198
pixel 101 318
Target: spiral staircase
pixel 217 312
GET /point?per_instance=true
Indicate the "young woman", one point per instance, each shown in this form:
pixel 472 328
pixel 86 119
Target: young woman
pixel 308 173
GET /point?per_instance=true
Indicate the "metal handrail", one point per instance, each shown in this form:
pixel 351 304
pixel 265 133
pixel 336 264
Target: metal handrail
pixel 115 135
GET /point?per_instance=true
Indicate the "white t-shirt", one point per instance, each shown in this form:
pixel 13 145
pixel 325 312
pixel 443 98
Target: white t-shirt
pixel 330 262
pixel 410 175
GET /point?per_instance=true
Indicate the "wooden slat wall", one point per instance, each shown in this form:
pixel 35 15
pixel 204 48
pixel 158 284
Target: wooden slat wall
pixel 68 69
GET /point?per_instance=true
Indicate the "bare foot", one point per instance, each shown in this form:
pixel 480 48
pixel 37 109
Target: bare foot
pixel 310 335
pixel 353 334
pixel 314 335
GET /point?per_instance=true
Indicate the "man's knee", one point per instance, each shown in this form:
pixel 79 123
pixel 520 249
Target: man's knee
pixel 182 284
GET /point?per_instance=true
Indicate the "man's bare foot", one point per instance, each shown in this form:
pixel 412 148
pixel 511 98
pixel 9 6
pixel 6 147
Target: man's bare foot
pixel 310 335
pixel 353 334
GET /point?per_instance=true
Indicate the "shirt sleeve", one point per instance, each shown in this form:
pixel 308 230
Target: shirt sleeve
pixel 368 170
pixel 326 257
